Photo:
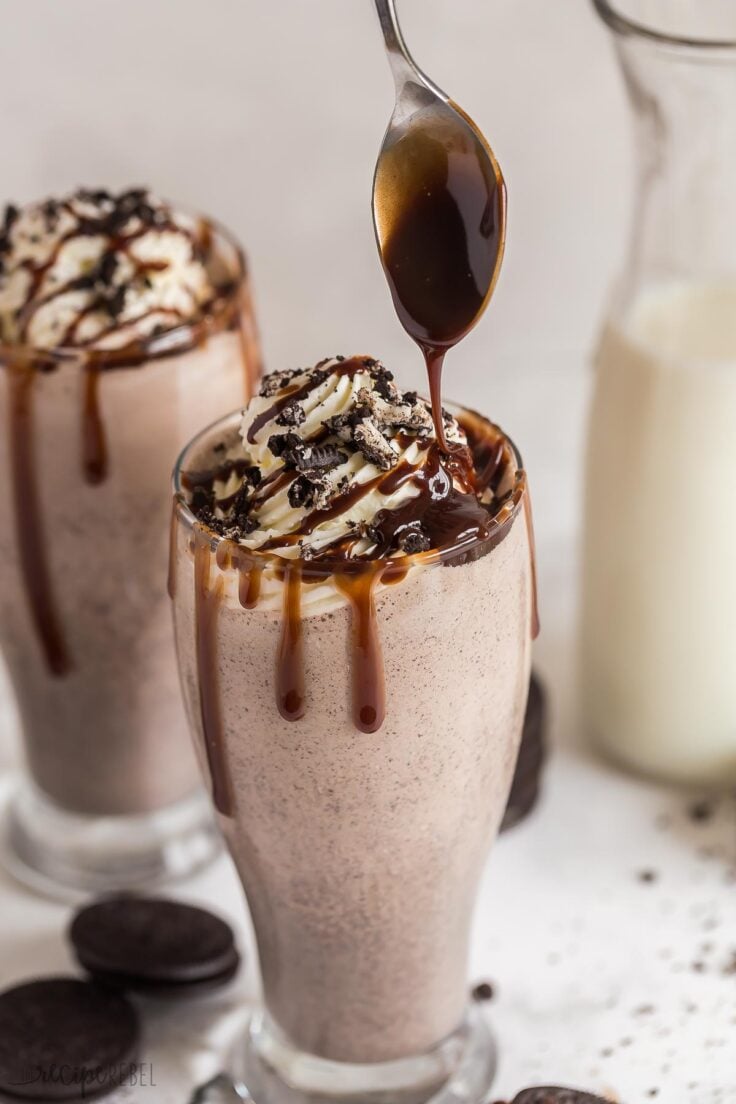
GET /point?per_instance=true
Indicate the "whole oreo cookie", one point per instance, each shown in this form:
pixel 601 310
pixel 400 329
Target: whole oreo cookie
pixel 65 1039
pixel 550 1095
pixel 169 990
pixel 532 753
pixel 154 945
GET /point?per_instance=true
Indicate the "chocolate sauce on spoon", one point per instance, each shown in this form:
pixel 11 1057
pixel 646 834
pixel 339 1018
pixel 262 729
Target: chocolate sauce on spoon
pixel 440 208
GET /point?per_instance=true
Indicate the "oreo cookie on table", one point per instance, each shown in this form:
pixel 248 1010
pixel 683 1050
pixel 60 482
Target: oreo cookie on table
pixel 532 754
pixel 550 1095
pixel 154 946
pixel 65 1039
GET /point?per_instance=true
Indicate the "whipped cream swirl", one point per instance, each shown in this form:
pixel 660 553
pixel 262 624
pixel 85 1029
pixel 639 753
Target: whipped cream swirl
pixel 335 460
pixel 101 271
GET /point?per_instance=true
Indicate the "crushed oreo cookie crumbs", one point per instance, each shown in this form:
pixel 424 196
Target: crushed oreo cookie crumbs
pixel 291 415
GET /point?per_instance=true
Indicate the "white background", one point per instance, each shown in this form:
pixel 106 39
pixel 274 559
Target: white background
pixel 269 115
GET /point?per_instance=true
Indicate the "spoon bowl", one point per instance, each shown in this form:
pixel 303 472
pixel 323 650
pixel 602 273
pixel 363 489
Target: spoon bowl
pixel 439 212
pixel 439 204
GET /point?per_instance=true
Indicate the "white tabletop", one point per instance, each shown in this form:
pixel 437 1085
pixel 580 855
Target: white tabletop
pixel 270 116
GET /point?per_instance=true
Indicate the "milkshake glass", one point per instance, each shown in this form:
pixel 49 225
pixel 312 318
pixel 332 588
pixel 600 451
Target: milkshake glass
pixel 358 722
pixel 111 796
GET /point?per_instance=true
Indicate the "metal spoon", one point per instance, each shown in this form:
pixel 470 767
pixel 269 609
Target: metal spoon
pixel 439 210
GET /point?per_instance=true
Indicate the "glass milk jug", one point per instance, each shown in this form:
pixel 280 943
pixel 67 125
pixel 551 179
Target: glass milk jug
pixel 659 590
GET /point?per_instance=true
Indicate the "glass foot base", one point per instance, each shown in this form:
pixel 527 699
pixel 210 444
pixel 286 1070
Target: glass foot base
pixel 460 1071
pixel 66 856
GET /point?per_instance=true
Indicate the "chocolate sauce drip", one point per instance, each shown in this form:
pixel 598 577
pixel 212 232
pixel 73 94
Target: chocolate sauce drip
pixel 443 247
pixel 434 359
pixel 176 510
pixel 394 573
pixel 208 599
pixel 94 443
pixel 369 690
pixel 290 662
pixel 249 586
pixel 29 524
pixel 229 554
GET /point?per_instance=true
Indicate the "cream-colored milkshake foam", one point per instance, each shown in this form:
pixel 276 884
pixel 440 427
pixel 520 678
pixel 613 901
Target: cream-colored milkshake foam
pixel 361 853
pixel 100 271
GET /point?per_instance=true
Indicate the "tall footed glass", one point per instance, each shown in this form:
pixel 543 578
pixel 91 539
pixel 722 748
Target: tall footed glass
pixel 111 795
pixel 659 603
pixel 358 725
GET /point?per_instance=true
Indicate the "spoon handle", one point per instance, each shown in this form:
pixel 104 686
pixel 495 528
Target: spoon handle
pixel 405 70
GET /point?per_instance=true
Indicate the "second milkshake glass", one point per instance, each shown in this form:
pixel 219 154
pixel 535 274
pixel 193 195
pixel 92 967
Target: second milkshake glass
pixel 111 796
pixel 360 851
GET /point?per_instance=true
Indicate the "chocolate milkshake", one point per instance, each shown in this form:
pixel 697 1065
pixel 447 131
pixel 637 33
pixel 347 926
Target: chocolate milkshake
pixel 353 610
pixel 124 324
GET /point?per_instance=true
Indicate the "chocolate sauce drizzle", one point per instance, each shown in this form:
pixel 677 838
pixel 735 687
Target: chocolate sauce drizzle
pixel 225 311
